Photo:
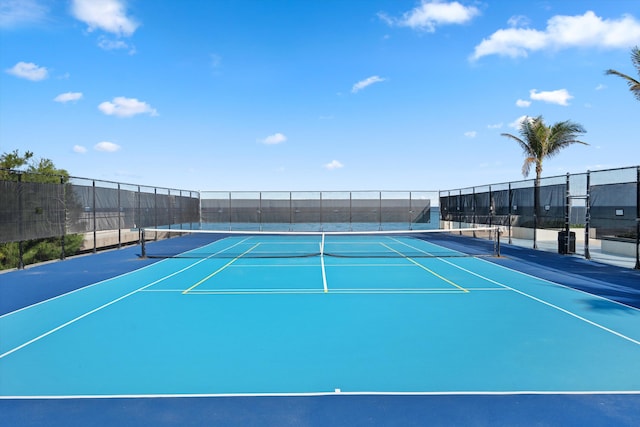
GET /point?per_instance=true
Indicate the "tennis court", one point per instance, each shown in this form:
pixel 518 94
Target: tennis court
pixel 317 324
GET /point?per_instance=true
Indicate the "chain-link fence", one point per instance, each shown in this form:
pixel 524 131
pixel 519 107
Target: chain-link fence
pixel 318 211
pixel 595 214
pixel 103 213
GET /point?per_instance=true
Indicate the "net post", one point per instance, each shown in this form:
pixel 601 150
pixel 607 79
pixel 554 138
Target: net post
pixel 143 246
pixel 496 248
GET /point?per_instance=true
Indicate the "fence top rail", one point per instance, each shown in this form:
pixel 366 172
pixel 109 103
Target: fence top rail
pixel 71 177
pixel 532 180
pixel 315 191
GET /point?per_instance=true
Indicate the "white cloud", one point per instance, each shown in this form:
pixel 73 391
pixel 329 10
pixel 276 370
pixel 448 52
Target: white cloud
pixel 15 13
pixel 519 21
pixel 518 122
pixel 276 138
pixel 126 107
pixel 334 164
pixel 106 15
pixel 432 13
pixel 366 82
pixel 107 44
pixel 560 96
pixel 68 96
pixel 562 32
pixel 29 71
pixel 106 146
pixel 523 103
pixel 79 149
pixel 471 134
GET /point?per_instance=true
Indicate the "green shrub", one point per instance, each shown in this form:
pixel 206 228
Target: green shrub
pixel 40 250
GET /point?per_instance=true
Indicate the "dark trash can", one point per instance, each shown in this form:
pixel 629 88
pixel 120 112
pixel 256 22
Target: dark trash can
pixel 562 235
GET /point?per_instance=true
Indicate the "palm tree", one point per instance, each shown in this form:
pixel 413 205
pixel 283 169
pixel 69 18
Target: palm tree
pixel 539 141
pixel 634 85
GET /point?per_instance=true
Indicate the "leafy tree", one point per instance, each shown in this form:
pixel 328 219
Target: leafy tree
pixel 538 142
pixel 634 85
pixel 40 170
pixel 34 174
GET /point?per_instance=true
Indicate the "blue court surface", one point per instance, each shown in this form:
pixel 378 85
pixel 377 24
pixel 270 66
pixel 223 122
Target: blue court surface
pixel 524 339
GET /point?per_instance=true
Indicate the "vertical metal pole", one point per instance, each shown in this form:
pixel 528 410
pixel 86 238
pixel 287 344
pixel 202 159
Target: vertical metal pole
pixel 567 219
pixel 637 266
pixel 350 211
pixel 169 210
pixel 459 213
pixel 20 222
pixel 380 210
pixel 321 218
pixel 64 219
pixel 155 215
pixel 473 209
pixel 536 202
pixel 119 219
pixel 410 211
pixel 199 210
pixel 180 209
pixel 260 211
pixel 139 209
pixel 587 217
pixel 143 245
pixel 510 196
pixel 95 227
pixel 490 207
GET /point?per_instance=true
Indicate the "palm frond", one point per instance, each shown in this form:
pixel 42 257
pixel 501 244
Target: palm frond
pixel 523 143
pixel 635 58
pixel 526 166
pixel 539 141
pixel 634 84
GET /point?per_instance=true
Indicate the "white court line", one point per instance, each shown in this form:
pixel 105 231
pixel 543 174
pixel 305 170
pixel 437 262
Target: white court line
pixel 265 265
pixel 324 271
pixel 333 393
pixel 107 280
pixel 304 291
pixel 220 269
pixel 547 303
pixel 83 288
pixel 82 316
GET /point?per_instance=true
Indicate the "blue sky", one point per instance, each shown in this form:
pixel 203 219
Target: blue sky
pixel 313 95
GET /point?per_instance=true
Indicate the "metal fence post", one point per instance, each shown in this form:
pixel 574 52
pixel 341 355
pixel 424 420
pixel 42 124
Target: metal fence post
pixel 536 203
pixel 587 217
pixel 20 223
pixel 637 266
pixel 119 219
pixel 139 209
pixel 567 220
pixel 510 196
pixel 64 220
pixel 95 234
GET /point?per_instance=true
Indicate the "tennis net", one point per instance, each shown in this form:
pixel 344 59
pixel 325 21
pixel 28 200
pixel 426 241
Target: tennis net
pixel 170 243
